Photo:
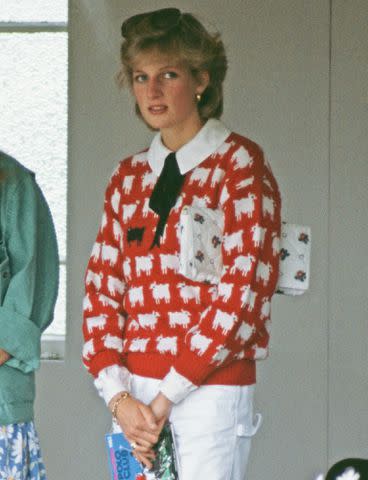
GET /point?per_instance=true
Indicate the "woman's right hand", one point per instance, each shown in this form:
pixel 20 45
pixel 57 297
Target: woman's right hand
pixel 139 426
pixel 4 356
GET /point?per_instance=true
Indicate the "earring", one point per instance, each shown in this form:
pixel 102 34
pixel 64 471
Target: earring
pixel 198 97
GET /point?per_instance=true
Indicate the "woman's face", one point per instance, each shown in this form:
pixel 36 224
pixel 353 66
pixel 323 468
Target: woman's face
pixel 165 92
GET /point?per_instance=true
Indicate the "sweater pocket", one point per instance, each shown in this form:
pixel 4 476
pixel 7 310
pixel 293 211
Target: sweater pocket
pixel 4 271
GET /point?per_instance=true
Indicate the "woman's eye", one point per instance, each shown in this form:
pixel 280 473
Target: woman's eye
pixel 170 75
pixel 140 78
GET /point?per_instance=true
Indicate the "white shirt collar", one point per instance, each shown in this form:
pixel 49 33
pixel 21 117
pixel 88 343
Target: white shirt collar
pixel 208 140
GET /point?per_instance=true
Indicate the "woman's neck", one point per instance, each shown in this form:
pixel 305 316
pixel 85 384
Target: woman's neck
pixel 175 137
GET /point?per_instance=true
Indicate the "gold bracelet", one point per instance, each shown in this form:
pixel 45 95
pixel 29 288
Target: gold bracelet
pixel 114 408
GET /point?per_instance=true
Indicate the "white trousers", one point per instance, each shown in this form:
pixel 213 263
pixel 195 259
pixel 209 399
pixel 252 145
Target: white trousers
pixel 213 428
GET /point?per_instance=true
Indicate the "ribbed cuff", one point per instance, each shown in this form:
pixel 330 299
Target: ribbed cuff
pixel 112 380
pixel 20 337
pixel 176 387
pixel 101 360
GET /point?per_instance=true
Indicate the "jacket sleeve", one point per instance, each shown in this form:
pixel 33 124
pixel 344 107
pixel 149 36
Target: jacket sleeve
pixel 235 324
pixel 29 300
pixel 104 318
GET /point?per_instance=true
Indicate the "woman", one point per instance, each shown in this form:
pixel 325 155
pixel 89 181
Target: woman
pixel 162 346
pixel 29 268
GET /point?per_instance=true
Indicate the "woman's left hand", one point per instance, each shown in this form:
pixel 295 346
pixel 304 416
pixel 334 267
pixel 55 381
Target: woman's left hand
pixel 4 356
pixel 161 406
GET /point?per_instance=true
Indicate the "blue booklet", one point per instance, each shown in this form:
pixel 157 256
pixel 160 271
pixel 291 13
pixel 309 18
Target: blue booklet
pixel 123 465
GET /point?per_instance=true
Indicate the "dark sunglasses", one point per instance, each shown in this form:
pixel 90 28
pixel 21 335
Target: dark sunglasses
pixel 162 19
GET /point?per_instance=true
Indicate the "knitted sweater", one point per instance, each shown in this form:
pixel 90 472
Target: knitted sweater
pixel 139 312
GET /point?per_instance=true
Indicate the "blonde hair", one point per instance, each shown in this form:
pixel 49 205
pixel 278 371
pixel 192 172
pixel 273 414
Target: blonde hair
pixel 190 43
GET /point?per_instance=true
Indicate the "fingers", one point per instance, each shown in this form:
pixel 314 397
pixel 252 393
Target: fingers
pixel 4 356
pixel 148 416
pixel 141 436
pixel 143 454
pixel 143 444
pixel 144 459
pixel 138 422
pixel 146 451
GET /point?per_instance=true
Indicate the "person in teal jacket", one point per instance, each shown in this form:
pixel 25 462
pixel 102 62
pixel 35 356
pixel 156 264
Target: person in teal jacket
pixel 29 267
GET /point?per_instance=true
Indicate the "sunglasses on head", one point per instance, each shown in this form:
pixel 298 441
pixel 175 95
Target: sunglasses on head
pixel 164 18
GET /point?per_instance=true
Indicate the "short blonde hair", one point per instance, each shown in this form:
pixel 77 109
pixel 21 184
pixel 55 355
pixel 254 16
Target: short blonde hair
pixel 189 42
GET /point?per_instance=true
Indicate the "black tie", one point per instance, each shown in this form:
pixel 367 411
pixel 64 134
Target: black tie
pixel 165 194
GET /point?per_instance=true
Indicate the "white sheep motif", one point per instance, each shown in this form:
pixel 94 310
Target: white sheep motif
pixel 115 200
pixel 104 300
pixel 241 158
pixel 98 322
pixel 243 264
pixel 263 272
pixel 136 296
pixel 128 184
pixel 94 278
pixel 139 158
pixel 245 206
pixel 138 345
pixel 115 285
pixel 188 292
pixel 109 254
pixel 160 291
pixel 96 252
pixel 128 211
pixel 224 320
pixel 148 180
pixel 225 290
pixel 199 175
pixel 268 206
pixel 167 344
pixel 144 264
pixel 258 235
pixel 169 262
pixel 181 318
pixel 233 241
pixel 148 320
pixel 199 343
pixel 221 354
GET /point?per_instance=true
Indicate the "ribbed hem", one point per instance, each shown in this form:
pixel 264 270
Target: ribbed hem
pixel 106 358
pixel 240 372
pixel 16 412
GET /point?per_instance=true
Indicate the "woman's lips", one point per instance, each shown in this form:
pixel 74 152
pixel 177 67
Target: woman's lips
pixel 157 109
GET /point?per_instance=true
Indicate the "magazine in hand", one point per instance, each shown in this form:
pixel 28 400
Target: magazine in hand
pixel 123 465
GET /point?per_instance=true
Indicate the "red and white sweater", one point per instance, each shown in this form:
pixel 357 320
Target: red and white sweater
pixel 140 314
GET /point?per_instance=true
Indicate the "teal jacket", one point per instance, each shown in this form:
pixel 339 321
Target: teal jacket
pixel 29 267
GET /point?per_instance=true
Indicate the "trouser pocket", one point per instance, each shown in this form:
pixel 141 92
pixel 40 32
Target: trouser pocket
pixel 249 429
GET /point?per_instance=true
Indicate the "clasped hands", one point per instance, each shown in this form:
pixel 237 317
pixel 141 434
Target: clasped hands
pixel 142 424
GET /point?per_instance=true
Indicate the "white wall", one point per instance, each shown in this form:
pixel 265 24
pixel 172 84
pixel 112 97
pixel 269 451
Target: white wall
pixel 312 390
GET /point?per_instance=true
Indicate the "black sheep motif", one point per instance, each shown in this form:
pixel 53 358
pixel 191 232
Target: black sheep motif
pixel 135 235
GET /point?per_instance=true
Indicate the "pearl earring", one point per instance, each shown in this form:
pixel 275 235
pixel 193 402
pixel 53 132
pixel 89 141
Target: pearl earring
pixel 198 97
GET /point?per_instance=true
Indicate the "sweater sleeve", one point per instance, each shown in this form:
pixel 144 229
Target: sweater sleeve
pixel 235 324
pixel 104 317
pixel 28 304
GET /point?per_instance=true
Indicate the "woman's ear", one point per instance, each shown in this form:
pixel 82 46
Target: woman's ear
pixel 203 81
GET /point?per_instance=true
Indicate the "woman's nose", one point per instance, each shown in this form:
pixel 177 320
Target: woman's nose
pixel 154 88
